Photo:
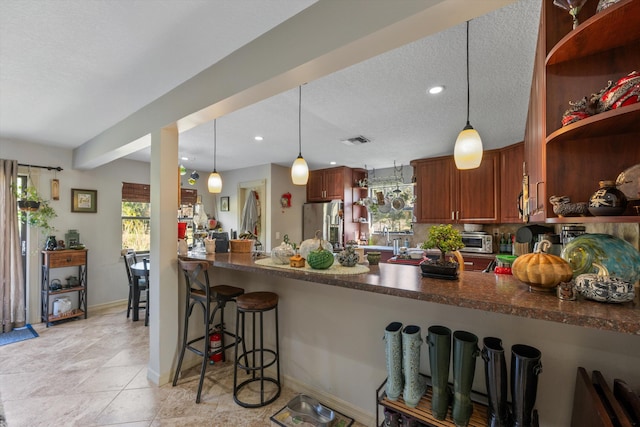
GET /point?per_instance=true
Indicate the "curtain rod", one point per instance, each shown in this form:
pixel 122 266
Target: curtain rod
pixel 57 168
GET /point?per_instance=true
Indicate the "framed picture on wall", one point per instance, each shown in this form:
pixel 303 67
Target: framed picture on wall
pixel 224 204
pixel 84 200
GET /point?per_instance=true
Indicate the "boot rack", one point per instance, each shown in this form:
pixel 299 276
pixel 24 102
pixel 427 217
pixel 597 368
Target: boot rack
pixel 422 412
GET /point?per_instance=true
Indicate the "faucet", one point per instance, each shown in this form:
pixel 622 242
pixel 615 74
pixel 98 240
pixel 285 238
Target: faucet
pixel 385 233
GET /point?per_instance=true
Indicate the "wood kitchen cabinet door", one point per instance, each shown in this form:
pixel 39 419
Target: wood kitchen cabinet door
pixel 479 191
pixel 435 187
pixel 511 159
pixel 327 184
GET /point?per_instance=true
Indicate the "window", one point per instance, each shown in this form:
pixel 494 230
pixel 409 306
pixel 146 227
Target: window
pixel 396 214
pixel 136 215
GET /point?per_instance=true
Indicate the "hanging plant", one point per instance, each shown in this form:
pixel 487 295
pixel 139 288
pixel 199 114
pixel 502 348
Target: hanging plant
pixel 35 211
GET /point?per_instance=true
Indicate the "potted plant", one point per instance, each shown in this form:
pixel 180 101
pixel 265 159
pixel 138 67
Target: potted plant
pixel 446 239
pixel 35 211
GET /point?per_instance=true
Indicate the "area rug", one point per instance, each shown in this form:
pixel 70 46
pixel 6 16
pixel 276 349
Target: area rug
pixel 18 334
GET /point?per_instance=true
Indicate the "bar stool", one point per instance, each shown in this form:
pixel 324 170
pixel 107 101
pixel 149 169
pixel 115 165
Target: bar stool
pixel 256 303
pixel 200 292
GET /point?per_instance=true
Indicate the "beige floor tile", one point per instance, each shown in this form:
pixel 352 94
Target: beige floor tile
pixel 93 373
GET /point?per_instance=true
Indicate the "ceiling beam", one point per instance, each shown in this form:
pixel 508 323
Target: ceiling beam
pixel 326 37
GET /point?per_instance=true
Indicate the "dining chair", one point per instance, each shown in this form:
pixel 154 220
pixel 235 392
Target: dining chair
pixel 129 260
pixel 142 276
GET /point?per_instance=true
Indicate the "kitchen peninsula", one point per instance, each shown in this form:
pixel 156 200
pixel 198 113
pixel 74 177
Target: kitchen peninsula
pixel 332 326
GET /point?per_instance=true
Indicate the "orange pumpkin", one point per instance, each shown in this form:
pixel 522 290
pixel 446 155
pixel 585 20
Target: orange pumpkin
pixel 540 270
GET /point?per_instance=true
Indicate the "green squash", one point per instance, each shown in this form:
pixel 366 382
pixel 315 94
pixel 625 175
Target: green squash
pixel 320 259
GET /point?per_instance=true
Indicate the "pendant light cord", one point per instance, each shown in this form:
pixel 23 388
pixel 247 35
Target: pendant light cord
pixel 214 143
pixel 300 121
pixel 468 97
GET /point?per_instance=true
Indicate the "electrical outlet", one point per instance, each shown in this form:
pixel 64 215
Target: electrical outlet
pixel 277 234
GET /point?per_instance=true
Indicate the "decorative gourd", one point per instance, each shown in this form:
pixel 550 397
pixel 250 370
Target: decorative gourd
pixel 313 244
pixel 320 259
pixel 540 270
pixel 604 288
pixel 348 257
pixel 282 253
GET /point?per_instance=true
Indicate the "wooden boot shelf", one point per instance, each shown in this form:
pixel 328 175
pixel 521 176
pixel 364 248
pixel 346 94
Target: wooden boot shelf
pixel 422 412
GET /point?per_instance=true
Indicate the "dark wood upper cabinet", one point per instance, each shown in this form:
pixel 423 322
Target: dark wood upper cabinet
pixel 569 65
pixel 448 195
pixel 328 184
pixel 511 159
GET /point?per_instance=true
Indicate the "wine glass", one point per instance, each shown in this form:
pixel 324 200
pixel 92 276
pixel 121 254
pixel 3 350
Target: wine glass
pixel 573 6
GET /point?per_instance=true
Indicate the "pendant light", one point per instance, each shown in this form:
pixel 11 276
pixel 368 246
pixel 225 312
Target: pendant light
pixel 299 169
pixel 215 180
pixel 467 152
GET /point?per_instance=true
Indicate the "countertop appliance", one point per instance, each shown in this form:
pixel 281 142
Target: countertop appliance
pixel 477 242
pixel 326 217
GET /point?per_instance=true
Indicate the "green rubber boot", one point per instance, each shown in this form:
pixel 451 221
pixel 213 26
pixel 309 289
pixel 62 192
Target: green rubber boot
pixel 465 351
pixel 415 385
pixel 439 340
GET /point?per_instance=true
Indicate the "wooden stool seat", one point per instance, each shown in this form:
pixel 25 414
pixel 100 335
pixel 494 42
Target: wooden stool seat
pixel 218 292
pixel 257 301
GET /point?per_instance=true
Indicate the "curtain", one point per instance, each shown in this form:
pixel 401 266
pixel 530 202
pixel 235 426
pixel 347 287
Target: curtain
pixel 12 297
pixel 250 214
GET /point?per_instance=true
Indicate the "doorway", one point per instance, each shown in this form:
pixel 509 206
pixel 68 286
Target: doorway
pixel 244 192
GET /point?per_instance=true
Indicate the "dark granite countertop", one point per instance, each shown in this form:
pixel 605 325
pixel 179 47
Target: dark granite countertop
pixel 475 290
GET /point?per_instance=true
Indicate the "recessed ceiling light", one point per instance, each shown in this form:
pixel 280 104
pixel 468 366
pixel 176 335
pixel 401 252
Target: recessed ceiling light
pixel 436 89
pixel 332 163
pixel 184 158
pixel 258 138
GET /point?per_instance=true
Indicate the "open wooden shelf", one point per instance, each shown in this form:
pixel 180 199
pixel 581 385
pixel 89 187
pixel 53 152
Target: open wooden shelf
pixel 422 412
pixel 612 29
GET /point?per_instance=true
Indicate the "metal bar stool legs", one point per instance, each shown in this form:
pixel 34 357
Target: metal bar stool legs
pixel 199 292
pixel 256 303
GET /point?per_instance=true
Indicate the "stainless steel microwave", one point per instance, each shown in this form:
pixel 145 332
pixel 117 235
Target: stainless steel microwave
pixel 477 242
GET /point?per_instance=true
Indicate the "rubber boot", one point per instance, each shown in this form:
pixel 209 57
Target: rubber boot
pixel 391 418
pixel 495 369
pixel 439 340
pixel 465 351
pixel 393 350
pixel 414 384
pixel 525 368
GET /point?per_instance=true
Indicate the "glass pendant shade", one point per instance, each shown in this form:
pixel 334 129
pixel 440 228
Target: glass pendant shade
pixel 300 171
pixel 215 183
pixel 467 152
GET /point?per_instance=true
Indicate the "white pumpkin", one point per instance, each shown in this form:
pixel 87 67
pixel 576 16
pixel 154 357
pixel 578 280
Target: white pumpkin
pixel 312 244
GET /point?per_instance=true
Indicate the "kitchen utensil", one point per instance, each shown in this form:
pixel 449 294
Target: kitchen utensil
pixel 472 227
pixel 385 207
pixel 398 202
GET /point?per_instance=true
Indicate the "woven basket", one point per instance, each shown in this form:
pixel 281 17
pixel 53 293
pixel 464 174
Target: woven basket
pixel 242 246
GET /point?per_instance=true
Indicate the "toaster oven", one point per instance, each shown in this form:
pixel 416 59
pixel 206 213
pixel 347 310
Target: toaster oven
pixel 477 242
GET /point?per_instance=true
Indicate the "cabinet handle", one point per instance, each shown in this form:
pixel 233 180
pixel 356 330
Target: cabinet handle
pixel 453 216
pixel 457 215
pixel 68 259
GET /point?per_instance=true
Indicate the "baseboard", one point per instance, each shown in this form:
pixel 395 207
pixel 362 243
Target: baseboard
pixel 339 405
pixel 107 305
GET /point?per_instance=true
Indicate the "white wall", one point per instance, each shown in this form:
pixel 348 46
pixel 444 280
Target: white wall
pixel 100 232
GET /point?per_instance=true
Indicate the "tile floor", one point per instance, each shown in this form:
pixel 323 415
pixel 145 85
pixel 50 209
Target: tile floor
pixel 93 373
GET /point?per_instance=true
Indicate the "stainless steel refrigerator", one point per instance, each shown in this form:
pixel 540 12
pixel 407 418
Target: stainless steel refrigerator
pixel 326 217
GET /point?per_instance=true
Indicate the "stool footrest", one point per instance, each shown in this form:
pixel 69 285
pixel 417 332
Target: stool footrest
pixel 262 401
pixel 256 368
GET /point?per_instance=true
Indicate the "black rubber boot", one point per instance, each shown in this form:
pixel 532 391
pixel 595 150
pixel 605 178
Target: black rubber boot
pixel 525 368
pixel 495 369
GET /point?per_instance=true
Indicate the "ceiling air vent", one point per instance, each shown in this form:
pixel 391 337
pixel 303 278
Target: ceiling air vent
pixel 356 140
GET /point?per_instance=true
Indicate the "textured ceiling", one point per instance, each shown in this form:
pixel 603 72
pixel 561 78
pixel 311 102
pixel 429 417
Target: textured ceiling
pixel 70 69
